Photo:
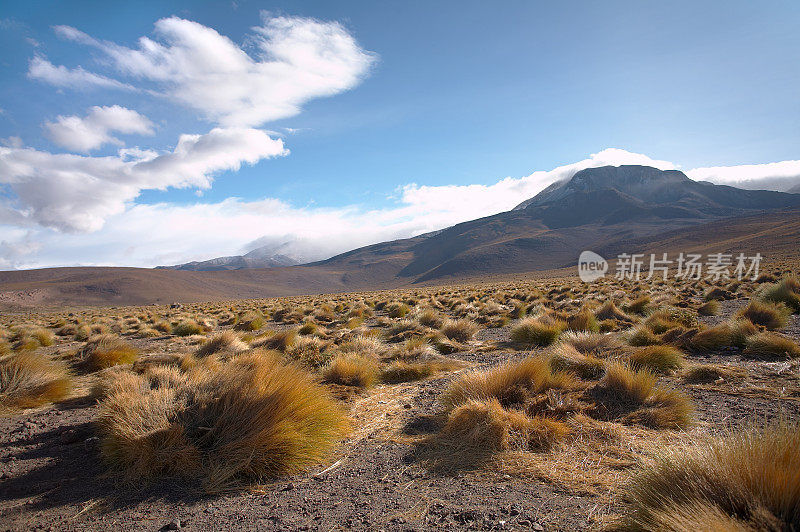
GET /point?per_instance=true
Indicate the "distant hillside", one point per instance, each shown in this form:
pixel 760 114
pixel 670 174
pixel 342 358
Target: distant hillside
pixel 594 209
pixel 608 210
pixel 258 258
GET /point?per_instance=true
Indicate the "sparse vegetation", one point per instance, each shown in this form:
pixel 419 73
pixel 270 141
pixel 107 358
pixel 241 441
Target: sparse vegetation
pixel 574 393
pixel 28 380
pixel 532 331
pixel 252 420
pixel 104 351
pixel 770 315
pixel 743 481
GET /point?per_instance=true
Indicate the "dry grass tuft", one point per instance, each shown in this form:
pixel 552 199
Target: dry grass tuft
pixel 657 358
pixel 104 351
pixel 252 420
pixel 478 430
pixel 596 344
pixel 352 370
pixel 633 397
pixel 642 336
pixel 511 383
pixel 28 380
pixel 461 330
pixel 249 321
pixel 567 358
pixel 583 321
pixel 279 341
pixel 770 315
pixel 726 334
pixel 708 373
pixel 710 308
pixel 533 331
pixel 744 481
pixel 187 328
pixel 226 343
pixel 610 311
pixel 769 344
pixel 787 291
pixel 402 371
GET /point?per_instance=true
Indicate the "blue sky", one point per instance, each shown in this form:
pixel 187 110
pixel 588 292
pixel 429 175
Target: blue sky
pixel 430 113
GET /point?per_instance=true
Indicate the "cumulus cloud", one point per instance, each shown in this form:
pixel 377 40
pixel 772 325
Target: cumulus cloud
pixel 780 176
pixel 294 60
pixel 87 133
pixel 78 193
pixel 75 78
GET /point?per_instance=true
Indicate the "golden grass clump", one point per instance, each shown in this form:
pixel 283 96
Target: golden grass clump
pixel 249 321
pixel 633 397
pixel 251 420
pixel 45 337
pixel 748 480
pixel 733 333
pixel 461 330
pixel 104 351
pixel 510 383
pixel 352 370
pixel 533 331
pixel 657 358
pixel 610 311
pixel 787 291
pixel 769 344
pixel 279 341
pixel 710 308
pixel 403 371
pixel 770 315
pixel 397 310
pixel 187 328
pixel 567 358
pixel 708 373
pixel 226 344
pixel 583 321
pixel 480 430
pixel 28 380
pixel 596 344
pixel 642 336
pixel 310 352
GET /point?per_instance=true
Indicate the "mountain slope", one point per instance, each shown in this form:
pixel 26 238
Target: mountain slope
pixel 661 187
pixel 594 209
pixel 609 210
pixel 258 258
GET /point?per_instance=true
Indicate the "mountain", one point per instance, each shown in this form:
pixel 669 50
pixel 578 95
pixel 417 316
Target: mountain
pixel 661 188
pixel 596 209
pixel 609 210
pixel 794 190
pixel 258 258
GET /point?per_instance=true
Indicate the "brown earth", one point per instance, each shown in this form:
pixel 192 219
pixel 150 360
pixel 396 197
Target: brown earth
pixel 52 477
pixel 400 263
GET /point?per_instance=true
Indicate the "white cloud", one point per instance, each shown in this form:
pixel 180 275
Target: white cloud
pixel 134 235
pixel 780 176
pixel 76 78
pixel 11 142
pixel 294 60
pixel 94 130
pixel 78 193
pixel 235 226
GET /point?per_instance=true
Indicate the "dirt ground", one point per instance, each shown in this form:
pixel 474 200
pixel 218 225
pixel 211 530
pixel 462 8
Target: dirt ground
pixel 52 476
